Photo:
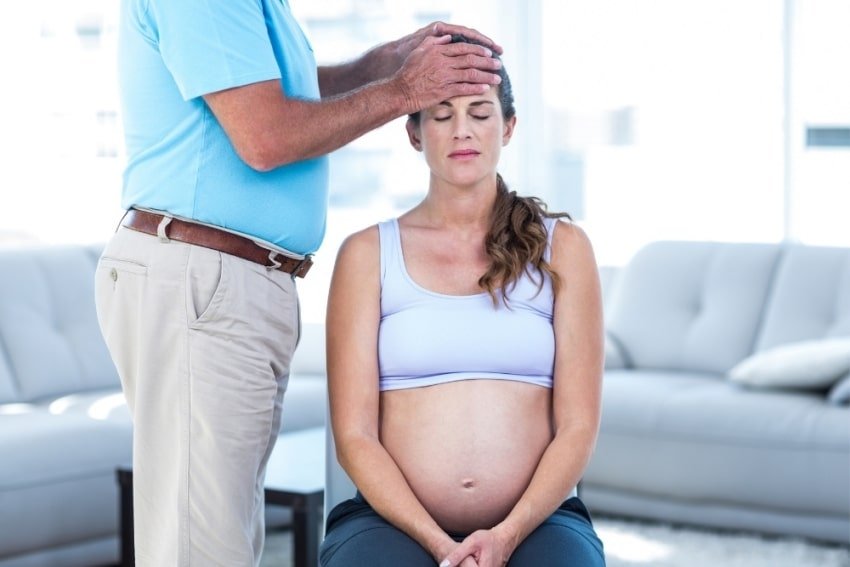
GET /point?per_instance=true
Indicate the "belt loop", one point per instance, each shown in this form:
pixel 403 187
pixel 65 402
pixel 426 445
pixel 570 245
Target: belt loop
pixel 160 230
pixel 297 270
pixel 121 222
pixel 273 259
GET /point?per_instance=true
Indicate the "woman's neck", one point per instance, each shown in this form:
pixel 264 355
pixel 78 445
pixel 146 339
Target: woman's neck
pixel 450 206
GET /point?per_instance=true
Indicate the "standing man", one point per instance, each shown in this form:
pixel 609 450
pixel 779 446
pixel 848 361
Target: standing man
pixel 227 122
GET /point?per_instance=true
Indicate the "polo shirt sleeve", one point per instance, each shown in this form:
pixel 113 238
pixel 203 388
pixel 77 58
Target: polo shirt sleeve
pixel 212 45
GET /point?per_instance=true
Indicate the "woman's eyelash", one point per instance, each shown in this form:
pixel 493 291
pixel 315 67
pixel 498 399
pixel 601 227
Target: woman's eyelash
pixel 444 118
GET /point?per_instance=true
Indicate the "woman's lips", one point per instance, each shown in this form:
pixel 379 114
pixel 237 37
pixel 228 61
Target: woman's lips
pixel 464 154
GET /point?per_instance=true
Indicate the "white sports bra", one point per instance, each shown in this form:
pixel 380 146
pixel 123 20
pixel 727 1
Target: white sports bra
pixel 427 338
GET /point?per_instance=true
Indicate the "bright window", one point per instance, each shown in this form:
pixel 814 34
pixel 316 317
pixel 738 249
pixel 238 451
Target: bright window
pixel 665 118
pixel 645 119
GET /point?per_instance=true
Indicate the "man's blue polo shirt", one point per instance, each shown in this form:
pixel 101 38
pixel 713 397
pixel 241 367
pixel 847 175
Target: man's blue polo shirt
pixel 171 52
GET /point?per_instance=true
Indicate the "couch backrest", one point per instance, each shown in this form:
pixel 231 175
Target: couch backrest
pixel 608 278
pixel 693 306
pixel 8 390
pixel 309 357
pixel 49 335
pixel 810 297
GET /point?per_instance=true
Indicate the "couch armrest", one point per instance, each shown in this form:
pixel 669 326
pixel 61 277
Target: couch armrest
pixel 616 355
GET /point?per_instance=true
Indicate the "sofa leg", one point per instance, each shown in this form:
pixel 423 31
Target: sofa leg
pixel 125 482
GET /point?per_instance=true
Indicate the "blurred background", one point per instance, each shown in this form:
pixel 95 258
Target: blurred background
pixel 645 119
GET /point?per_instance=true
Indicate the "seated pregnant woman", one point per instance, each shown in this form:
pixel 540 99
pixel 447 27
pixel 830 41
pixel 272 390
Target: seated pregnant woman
pixel 464 365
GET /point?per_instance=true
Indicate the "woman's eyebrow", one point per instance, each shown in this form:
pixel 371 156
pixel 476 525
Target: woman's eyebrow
pixel 476 103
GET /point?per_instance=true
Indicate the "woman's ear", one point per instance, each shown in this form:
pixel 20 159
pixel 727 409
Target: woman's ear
pixel 413 134
pixel 509 130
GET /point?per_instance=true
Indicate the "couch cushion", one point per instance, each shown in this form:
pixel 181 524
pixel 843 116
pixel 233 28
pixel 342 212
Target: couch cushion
pixel 810 298
pixel 48 324
pixel 60 489
pixel 54 447
pixel 813 365
pixel 839 394
pixel 700 439
pixel 98 405
pixel 692 306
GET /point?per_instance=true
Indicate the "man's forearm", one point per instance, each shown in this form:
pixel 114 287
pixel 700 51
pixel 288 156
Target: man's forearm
pixel 334 122
pixel 378 63
pixel 269 130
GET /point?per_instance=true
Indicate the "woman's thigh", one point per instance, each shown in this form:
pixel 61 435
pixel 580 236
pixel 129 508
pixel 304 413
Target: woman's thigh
pixel 565 539
pixel 358 537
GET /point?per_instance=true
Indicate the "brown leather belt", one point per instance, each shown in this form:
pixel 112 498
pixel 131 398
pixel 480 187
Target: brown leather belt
pixel 216 239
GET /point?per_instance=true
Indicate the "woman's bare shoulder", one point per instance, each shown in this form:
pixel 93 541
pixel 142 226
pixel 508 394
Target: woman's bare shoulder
pixel 571 245
pixel 361 246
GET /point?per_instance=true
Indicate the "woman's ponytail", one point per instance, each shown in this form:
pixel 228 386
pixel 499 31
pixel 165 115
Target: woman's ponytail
pixel 516 241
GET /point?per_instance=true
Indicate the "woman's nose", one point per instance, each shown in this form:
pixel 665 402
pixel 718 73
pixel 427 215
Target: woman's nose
pixel 461 128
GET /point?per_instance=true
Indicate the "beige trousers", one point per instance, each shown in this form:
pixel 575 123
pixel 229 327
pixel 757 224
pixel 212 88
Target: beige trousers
pixel 202 342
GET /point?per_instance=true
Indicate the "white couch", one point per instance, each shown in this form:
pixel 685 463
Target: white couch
pixel 679 441
pixel 64 426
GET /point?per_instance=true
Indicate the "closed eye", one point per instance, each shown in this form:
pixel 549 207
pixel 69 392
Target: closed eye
pixel 481 117
pixel 441 118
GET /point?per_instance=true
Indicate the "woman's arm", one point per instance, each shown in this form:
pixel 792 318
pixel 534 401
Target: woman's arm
pixel 354 312
pixel 576 395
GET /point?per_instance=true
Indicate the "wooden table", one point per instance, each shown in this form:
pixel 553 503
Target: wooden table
pixel 295 477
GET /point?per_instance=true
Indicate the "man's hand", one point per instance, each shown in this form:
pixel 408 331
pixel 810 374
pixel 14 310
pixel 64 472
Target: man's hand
pixel 438 70
pixel 383 61
pixel 404 46
pixel 268 129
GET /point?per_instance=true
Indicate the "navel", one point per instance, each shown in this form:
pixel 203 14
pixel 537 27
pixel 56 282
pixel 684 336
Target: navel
pixel 468 483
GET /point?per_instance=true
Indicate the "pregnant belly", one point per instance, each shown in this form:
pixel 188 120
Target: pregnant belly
pixel 468 449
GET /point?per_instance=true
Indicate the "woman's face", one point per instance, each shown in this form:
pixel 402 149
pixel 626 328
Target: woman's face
pixel 462 137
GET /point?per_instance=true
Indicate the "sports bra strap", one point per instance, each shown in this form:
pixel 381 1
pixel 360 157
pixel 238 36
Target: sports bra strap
pixel 390 248
pixel 550 224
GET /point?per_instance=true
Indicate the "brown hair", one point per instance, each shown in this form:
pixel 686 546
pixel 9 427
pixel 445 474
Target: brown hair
pixel 516 241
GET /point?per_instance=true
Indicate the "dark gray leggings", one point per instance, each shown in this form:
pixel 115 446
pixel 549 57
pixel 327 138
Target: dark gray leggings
pixel 356 536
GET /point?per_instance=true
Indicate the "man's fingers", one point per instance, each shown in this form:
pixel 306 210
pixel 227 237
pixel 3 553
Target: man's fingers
pixel 456 50
pixel 440 28
pixel 465 89
pixel 476 62
pixel 453 87
pixel 465 66
pixel 437 39
pixel 478 76
pixel 435 71
pixel 461 49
